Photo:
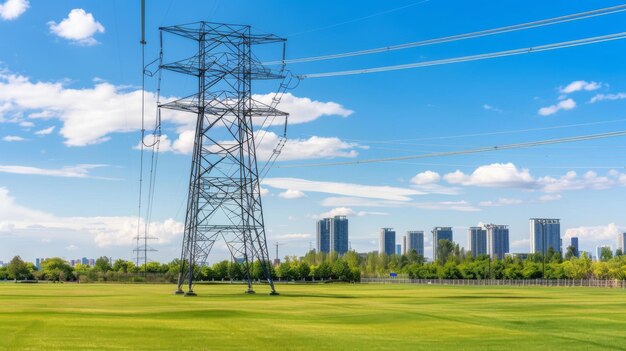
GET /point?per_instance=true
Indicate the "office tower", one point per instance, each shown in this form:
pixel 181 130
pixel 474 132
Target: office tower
pixel 621 242
pixel 339 234
pixel 398 249
pixel 387 241
pixel 574 243
pixel 404 250
pixel 497 240
pixel 545 233
pixel 323 235
pixel 38 263
pixel 477 241
pixel 415 242
pixel 440 233
pixel 85 261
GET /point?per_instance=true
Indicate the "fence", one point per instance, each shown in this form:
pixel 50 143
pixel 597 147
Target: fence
pixel 594 283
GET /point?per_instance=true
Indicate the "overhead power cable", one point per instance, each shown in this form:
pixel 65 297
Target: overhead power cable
pixel 472 135
pixel 471 35
pixel 465 152
pixel 547 47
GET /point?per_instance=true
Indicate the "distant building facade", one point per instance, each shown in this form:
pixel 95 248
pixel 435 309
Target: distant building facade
pixel 621 242
pixel 574 244
pixel 477 241
pixel 415 242
pixel 323 235
pixel 332 235
pixel 398 249
pixel 440 233
pixel 545 233
pixel 387 241
pixel 497 240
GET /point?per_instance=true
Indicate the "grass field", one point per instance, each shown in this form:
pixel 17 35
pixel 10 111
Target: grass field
pixel 318 317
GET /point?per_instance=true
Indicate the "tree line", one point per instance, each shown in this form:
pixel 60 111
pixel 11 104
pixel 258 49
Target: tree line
pixel 453 263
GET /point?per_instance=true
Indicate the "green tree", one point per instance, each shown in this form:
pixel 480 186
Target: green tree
pixel 571 252
pixel 605 254
pixel 123 266
pixel 102 264
pixel 303 270
pixel 56 269
pixel 445 248
pixel 341 270
pixel 17 269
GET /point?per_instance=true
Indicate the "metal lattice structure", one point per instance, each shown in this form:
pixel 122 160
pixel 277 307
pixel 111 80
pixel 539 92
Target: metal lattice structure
pixel 224 201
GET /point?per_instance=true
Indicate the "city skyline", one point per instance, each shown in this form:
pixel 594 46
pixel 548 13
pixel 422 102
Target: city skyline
pixel 69 171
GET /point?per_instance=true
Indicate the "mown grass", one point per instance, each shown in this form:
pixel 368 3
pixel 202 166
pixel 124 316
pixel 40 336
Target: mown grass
pixel 310 317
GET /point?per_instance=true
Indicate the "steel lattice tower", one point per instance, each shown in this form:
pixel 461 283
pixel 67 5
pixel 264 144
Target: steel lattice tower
pixel 224 200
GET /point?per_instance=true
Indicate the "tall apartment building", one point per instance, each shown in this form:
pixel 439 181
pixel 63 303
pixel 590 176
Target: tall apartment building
pixel 387 241
pixel 440 233
pixel 415 242
pixel 574 243
pixel 477 241
pixel 332 235
pixel 621 242
pixel 545 233
pixel 497 240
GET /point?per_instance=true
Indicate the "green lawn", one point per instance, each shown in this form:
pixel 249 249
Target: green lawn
pixel 316 317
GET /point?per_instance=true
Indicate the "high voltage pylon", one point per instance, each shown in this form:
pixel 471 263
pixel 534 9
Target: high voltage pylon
pixel 224 201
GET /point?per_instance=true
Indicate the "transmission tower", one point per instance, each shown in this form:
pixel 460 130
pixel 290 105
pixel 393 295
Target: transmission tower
pixel 224 201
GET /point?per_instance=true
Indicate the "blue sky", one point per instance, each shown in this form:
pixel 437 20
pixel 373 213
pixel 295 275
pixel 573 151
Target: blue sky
pixel 70 81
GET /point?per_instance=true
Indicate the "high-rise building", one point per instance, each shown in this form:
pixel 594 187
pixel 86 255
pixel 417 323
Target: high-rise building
pixel 38 263
pixel 415 242
pixel 339 234
pixel 404 250
pixel 387 241
pixel 440 233
pixel 574 243
pixel 332 235
pixel 92 262
pixel 85 261
pixel 477 241
pixel 398 249
pixel 323 235
pixel 545 233
pixel 497 240
pixel 621 242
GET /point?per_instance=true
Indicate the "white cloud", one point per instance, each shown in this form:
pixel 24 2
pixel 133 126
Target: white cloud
pixel 11 138
pixel 567 104
pixel 79 27
pixel 550 197
pixel 521 244
pixel 595 233
pixel 493 175
pixel 72 248
pixel 45 131
pixel 462 206
pixel 92 115
pixel 12 9
pixel 348 212
pixel 500 202
pixel 427 177
pixel 491 108
pixel 291 194
pixel 77 171
pixel 579 85
pixel 571 181
pixel 264 192
pixel 314 147
pixel 346 189
pixel 602 97
pixel 303 109
pixel 27 124
pixel 105 231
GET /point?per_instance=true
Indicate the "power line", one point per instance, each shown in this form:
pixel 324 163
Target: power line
pixel 398 141
pixel 358 19
pixel 465 152
pixel 547 47
pixel 471 35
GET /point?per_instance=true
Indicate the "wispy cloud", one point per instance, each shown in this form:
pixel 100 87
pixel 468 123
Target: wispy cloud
pixel 77 171
pixel 579 85
pixel 602 97
pixel 12 138
pixel 567 104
